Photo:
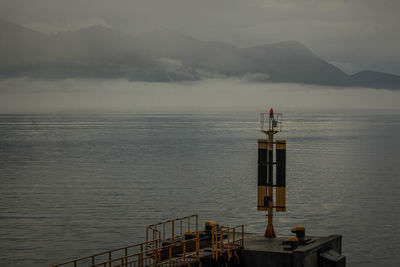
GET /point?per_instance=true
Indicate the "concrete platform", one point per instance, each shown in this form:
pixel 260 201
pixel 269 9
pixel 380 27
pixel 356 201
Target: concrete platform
pixel 259 251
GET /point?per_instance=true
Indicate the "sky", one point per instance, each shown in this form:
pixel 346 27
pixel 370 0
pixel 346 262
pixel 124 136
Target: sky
pixel 352 34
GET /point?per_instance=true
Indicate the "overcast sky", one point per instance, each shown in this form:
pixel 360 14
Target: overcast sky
pixel 353 34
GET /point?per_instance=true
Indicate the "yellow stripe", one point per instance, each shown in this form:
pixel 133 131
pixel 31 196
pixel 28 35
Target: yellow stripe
pixel 261 194
pixel 280 198
pixel 281 144
pixel 298 228
pixel 211 223
pixel 262 144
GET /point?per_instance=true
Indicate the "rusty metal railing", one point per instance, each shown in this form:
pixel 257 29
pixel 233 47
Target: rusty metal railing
pixel 172 230
pixel 185 251
pixel 165 249
pixel 226 240
pixel 110 257
pixel 169 255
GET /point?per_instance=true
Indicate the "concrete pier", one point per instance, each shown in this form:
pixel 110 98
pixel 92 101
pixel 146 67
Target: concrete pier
pixel 259 251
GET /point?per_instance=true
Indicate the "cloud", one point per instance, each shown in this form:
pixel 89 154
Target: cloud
pixel 73 25
pixel 213 95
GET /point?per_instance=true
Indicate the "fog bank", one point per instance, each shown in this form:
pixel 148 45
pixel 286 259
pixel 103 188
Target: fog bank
pixel 84 95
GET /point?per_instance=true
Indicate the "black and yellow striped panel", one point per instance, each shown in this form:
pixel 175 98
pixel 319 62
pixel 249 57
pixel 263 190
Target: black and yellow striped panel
pixel 280 175
pixel 262 174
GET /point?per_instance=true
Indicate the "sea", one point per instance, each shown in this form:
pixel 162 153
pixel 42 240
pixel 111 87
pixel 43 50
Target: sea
pixel 75 184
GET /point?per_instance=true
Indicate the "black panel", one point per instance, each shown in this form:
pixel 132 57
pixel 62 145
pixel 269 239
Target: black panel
pixel 262 164
pixel 281 166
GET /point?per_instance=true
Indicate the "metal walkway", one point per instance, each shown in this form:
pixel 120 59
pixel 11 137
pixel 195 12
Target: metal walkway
pixel 175 242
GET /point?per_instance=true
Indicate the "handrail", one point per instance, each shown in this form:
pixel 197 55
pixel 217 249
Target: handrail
pixel 220 245
pixel 157 260
pixel 162 232
pixel 109 252
pixel 156 252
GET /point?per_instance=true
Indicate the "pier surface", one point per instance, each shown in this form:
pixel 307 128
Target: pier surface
pixel 259 251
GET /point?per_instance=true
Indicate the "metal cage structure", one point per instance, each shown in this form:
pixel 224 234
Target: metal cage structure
pixel 269 123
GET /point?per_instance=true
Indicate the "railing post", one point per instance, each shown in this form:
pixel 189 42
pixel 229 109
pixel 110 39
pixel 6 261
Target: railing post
pixel 147 237
pixel 158 255
pixel 197 223
pixel 141 256
pixel 154 253
pixel 109 258
pixel 163 231
pixel 197 247
pixel 170 256
pixel 92 260
pixel 212 242
pixel 242 243
pixel 74 263
pixel 184 251
pixel 222 242
pixel 216 244
pixel 153 236
pixel 229 243
pixel 173 231
pixel 234 235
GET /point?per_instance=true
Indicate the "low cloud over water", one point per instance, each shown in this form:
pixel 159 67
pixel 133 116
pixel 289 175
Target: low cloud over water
pixel 214 95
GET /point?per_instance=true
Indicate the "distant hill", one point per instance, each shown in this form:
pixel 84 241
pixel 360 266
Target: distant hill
pixel 293 62
pixel 19 45
pixel 368 78
pixel 100 52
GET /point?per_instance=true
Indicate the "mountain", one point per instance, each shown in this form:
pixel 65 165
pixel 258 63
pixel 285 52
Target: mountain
pixel 96 52
pixel 93 43
pixel 19 45
pixel 368 78
pixel 291 61
pixel 101 52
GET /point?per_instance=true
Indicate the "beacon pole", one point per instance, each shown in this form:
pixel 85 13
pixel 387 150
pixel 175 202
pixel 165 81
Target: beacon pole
pixel 271 123
pixel 269 232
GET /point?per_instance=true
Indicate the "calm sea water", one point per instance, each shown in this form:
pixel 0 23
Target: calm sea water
pixel 71 185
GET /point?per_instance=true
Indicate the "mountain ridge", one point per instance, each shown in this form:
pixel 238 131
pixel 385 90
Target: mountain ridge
pixel 102 52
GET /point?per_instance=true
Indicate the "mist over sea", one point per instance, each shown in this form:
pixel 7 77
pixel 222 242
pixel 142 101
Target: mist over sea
pixel 83 174
pixel 25 95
